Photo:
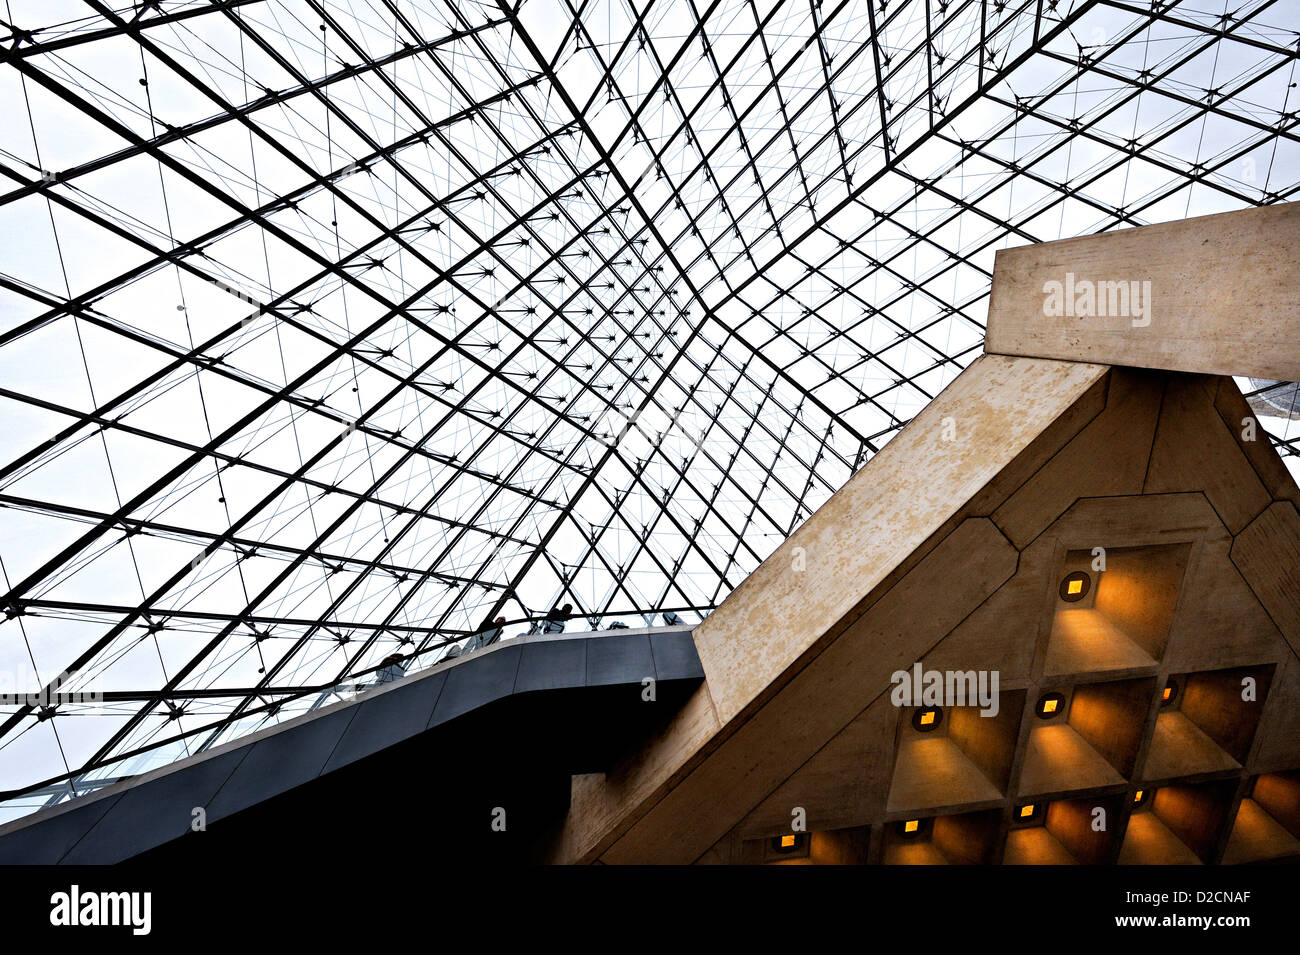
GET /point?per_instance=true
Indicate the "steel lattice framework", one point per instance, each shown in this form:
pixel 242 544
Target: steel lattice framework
pixel 337 328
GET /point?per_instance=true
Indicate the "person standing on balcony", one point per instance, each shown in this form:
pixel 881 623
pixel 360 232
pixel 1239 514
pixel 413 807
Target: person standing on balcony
pixel 557 618
pixel 487 636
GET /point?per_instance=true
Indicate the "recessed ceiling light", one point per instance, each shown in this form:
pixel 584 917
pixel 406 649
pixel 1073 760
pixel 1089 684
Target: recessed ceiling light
pixel 1050 705
pixel 790 842
pixel 927 719
pixel 1169 693
pixel 1030 812
pixel 1075 586
pixel 911 828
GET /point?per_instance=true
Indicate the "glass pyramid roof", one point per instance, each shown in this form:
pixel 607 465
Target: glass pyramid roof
pixel 335 329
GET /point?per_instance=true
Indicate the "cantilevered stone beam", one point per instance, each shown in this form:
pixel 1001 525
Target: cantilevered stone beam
pixel 1212 295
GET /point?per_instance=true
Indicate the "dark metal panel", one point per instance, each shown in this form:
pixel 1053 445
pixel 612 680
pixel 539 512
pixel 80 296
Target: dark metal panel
pixel 552 664
pixel 619 659
pixel 280 762
pixel 153 813
pixel 476 682
pixel 46 843
pixel 675 656
pixel 388 718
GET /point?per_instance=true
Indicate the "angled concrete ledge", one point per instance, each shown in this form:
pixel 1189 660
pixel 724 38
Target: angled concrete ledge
pixel 1211 295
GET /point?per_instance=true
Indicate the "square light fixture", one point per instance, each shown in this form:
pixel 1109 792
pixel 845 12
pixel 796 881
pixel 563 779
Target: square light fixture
pixel 1075 586
pixel 1030 812
pixel 912 828
pixel 1050 705
pixel 927 719
pixel 790 843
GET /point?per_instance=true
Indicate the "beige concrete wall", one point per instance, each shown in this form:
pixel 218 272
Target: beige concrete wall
pixel 1222 296
pixel 882 517
pixel 1002 416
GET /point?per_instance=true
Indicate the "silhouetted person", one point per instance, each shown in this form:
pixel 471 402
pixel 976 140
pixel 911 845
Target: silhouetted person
pixel 393 667
pixel 556 619
pixel 487 637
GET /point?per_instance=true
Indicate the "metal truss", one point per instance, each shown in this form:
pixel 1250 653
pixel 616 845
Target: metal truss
pixel 337 329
